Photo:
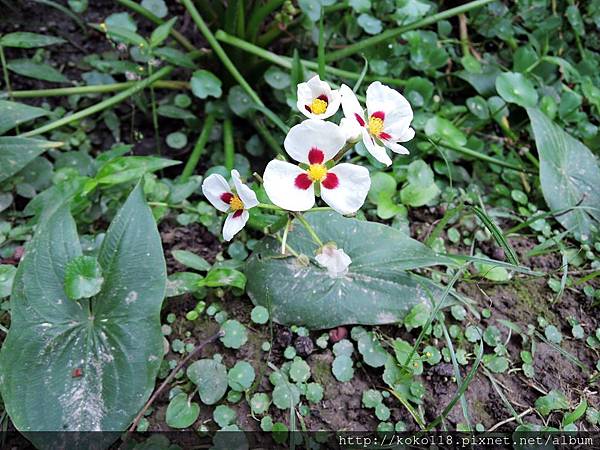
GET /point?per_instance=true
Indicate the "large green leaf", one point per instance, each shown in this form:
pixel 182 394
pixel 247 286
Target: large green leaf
pixel 17 152
pixel 39 71
pixel 85 365
pixel 14 113
pixel 569 174
pixel 24 39
pixel 376 290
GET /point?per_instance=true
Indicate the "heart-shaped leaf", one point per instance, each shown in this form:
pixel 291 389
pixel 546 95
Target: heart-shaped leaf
pixel 86 365
pixel 515 88
pixel 376 289
pixel 211 378
pixel 569 174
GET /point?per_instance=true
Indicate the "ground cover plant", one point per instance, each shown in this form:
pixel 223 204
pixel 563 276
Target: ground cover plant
pixel 290 217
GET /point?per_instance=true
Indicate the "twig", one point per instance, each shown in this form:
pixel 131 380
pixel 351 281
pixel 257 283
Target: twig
pixel 174 372
pixel 510 419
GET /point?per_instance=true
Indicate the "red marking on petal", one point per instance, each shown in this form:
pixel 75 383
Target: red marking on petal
pixel 331 181
pixel 323 97
pixel 303 182
pixel 379 115
pixel 227 197
pixel 316 156
pixel 308 108
pixel 238 213
pixel 384 136
pixel 360 120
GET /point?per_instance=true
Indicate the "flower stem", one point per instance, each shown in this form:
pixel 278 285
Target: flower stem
pixel 194 157
pixel 286 62
pixel 105 104
pixel 95 89
pixel 309 228
pixel 390 35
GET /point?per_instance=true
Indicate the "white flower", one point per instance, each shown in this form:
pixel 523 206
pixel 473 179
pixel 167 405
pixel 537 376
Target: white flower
pixel 316 100
pixel 387 121
pixel 313 143
pixel 336 261
pixel 236 203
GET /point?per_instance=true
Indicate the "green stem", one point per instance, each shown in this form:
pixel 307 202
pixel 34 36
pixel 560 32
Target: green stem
pixel 185 43
pixel 228 145
pixel 286 62
pixel 268 137
pixel 95 89
pixel 481 156
pixel 390 35
pixel 109 102
pixel 210 37
pixel 313 234
pixel 154 113
pixel 5 73
pixel 194 157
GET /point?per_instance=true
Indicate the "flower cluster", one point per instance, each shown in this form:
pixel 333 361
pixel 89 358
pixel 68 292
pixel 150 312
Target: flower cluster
pixel 317 146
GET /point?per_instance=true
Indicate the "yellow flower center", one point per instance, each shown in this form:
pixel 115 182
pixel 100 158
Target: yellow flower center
pixel 317 172
pixel 375 126
pixel 236 203
pixel 318 106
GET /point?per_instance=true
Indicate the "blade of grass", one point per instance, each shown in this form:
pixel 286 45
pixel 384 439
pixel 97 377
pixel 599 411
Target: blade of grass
pixel 437 231
pixel 457 375
pixel 494 262
pixel 461 390
pixel 363 73
pixel 437 307
pixel 390 35
pixel 563 352
pixel 194 157
pixel 496 234
pixel 420 421
pixel 474 154
pixel 500 393
pixel 105 104
pixel 258 17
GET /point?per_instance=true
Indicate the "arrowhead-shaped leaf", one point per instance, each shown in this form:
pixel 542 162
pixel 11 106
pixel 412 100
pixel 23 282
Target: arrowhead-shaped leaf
pixel 376 290
pixel 85 365
pixel 569 174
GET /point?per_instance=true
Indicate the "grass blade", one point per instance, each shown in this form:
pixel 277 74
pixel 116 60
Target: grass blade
pixel 496 234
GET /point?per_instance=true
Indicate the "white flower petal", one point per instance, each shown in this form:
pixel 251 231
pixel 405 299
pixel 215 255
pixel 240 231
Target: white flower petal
pixel 351 129
pixel 336 261
pixel 318 87
pixel 234 223
pixel 280 184
pixel 305 97
pixel 398 113
pixel 351 106
pixel 352 189
pixel 335 100
pixel 213 187
pixel 325 136
pixel 396 148
pixel 377 151
pixel 246 194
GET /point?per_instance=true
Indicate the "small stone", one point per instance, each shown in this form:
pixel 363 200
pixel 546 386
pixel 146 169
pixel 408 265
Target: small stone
pixel 337 334
pixel 304 345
